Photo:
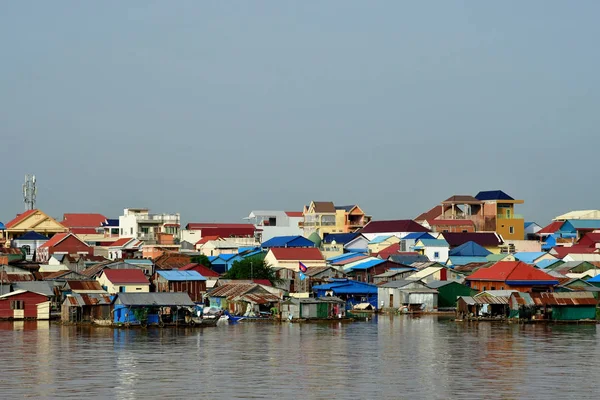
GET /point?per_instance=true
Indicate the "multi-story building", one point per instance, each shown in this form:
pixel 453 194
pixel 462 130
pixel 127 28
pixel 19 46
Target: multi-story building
pixel 490 211
pixel 270 224
pixel 150 228
pixel 323 217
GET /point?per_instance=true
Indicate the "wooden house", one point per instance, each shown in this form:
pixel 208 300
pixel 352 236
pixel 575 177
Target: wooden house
pixel 23 304
pixel 190 282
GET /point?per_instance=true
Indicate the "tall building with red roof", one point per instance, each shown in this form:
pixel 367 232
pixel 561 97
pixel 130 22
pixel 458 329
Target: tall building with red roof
pixel 515 275
pixel 83 223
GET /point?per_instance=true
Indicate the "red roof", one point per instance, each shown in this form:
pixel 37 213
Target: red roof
pixel 201 269
pixel 562 251
pixel 83 231
pixel 511 271
pixel 130 276
pixel 83 220
pixel 294 214
pixel 208 239
pixel 451 222
pixel 297 253
pixel 264 282
pixel 223 230
pixel 388 251
pixel 589 239
pixel 19 218
pixel 401 225
pixel 552 228
pixel 56 239
pixel 121 242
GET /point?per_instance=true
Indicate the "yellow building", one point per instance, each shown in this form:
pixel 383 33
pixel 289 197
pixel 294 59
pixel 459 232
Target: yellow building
pixel 32 220
pixel 124 281
pixel 382 242
pixel 323 217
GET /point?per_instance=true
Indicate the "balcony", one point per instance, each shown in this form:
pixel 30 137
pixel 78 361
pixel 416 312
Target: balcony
pixel 158 218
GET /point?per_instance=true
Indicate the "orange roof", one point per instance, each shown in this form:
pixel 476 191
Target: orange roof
pixel 19 218
pixel 297 253
pixel 121 242
pixel 504 271
pixel 294 213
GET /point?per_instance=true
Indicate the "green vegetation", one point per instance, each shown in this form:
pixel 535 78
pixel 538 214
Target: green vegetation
pixel 201 259
pixel 252 268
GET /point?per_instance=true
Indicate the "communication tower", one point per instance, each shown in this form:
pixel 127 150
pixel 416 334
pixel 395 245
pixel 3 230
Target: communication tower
pixel 29 192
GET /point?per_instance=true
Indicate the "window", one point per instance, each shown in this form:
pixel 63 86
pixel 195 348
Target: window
pixel 483 289
pixel 26 249
pixel 465 231
pixel 131 231
pixel 511 229
pixel 138 288
pixel 17 305
pixel 492 288
pixel 436 254
pixel 121 231
pixel 445 231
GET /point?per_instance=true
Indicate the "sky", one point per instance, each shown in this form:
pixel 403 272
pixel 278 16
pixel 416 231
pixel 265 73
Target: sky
pixel 214 109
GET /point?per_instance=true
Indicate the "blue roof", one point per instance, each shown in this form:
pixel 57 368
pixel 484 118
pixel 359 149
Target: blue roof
pixel 470 249
pixel 545 263
pixel 367 264
pixel 583 224
pixel 347 286
pixel 111 223
pixel 212 258
pixel 464 260
pixel 288 241
pixel 31 235
pixel 2 227
pixel 528 224
pixel 492 195
pixel 528 256
pixel 176 275
pixel 418 235
pixel 226 257
pixel 379 239
pixel 433 242
pixel 341 238
pixel 594 279
pixel 344 256
pixel 252 253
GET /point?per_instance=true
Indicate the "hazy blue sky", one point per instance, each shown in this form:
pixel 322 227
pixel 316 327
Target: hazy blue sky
pixel 213 109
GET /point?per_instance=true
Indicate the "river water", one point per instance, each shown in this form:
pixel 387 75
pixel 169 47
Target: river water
pixel 392 357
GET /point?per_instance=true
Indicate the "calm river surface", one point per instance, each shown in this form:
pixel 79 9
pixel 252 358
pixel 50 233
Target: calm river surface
pixel 393 357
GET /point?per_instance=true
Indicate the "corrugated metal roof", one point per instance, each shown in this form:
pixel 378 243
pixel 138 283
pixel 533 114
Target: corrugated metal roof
pixel 365 264
pixel 40 287
pixel 433 242
pixel 486 300
pixel 555 299
pixel 88 299
pixel 492 195
pixel 380 239
pixel 83 286
pixel 154 299
pixel 393 272
pixel 288 241
pixel 178 275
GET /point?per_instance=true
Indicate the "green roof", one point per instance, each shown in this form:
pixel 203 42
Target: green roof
pixel 496 257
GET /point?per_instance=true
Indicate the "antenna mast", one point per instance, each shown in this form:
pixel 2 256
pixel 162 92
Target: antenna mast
pixel 29 192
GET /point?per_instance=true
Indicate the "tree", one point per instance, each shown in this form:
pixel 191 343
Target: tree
pixel 252 268
pixel 201 259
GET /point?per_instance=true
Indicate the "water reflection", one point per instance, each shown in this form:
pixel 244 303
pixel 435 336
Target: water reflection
pixel 389 357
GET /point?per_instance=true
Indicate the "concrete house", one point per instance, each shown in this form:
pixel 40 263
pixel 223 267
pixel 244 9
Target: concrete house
pixel 270 224
pixel 291 258
pixel 32 220
pixel 398 228
pixel 435 249
pixel 62 243
pixel 29 243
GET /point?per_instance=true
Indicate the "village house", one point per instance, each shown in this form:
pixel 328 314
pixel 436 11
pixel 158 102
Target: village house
pixel 511 275
pixel 450 225
pixel 411 295
pixel 323 217
pixel 270 224
pixel 123 281
pixel 242 234
pixel 314 276
pixel 379 243
pixel 23 304
pixel 86 307
pixel 287 241
pixel 449 291
pixel 574 306
pixel 190 282
pixel 467 253
pixel 398 228
pixel 291 258
pixel 435 273
pixel 435 249
pixel 138 223
pixel 394 274
pixel 211 276
pixel 488 240
pixel 152 308
pixel 312 308
pixel 83 223
pixel 120 248
pixel 62 243
pixel 32 220
pixel 248 299
pixel 352 292
pixel 29 243
pixel 218 247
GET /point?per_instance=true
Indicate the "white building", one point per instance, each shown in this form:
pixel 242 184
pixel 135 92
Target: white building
pixel 276 223
pixel 140 224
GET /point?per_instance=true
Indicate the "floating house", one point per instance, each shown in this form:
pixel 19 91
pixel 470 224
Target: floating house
pixel 247 298
pixel 449 292
pixel 23 304
pixel 150 308
pixel 190 282
pixel 511 275
pixel 412 295
pixel 86 307
pixel 352 292
pixel 312 308
pixel 574 306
